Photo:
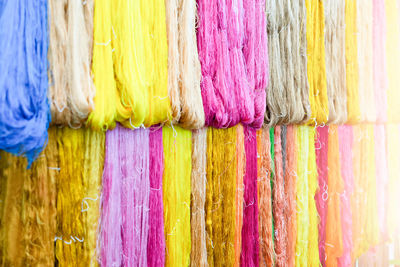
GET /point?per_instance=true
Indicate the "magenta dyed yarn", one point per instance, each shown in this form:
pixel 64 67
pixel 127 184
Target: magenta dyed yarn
pixel 250 243
pixel 346 162
pixel 234 78
pixel 110 240
pixel 321 197
pixel 156 241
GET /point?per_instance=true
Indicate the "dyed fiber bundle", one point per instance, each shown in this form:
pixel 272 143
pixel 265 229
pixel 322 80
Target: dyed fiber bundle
pixel 335 60
pixel 28 208
pixel 278 200
pixel 71 89
pixel 264 198
pixel 78 191
pixel 365 57
pixel 240 171
pixel 250 235
pixel 221 196
pixel 290 192
pixel 321 197
pixel 228 65
pixel 316 63
pixel 24 112
pixel 345 133
pixel 156 239
pixel 176 193
pixel 334 242
pixel 288 81
pixel 352 79
pixel 183 64
pixel 392 59
pixel 379 59
pixel 198 256
pixel 221 193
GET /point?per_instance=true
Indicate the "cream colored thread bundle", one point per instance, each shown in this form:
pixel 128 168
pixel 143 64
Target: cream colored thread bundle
pixel 71 89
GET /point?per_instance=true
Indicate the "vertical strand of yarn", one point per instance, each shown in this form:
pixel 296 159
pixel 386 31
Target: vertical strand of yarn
pixel 381 178
pixel 24 108
pixel 110 239
pixel 134 170
pixel 198 256
pixel 334 242
pixel 392 59
pixel 192 115
pixel 280 230
pixel 321 197
pixel 303 218
pixel 104 114
pixel 264 198
pixel 379 59
pixel 221 196
pixel 335 60
pixel 313 252
pixel 353 102
pixel 365 54
pixel 250 235
pixel 272 179
pixel 240 171
pixel 72 90
pixel 156 239
pixel 176 195
pixel 345 133
pixel 290 192
pixel 316 62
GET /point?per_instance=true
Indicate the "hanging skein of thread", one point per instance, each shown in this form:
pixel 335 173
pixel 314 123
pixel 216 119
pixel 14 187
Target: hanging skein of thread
pixel 110 239
pixel 334 242
pixel 176 193
pixel 198 256
pixel 240 171
pixel 106 100
pixel 313 253
pixel 335 60
pixel 316 63
pixel 78 191
pixel 392 59
pixel 221 196
pixel 250 234
pixel 71 89
pixel 183 64
pixel 379 59
pixel 156 239
pixel 264 198
pixel 345 133
pixel 365 54
pixel 290 192
pixel 24 108
pixel 284 50
pixel 352 79
pixel 321 197
pixel 278 209
pixel 381 178
pixel 272 179
pixel 28 208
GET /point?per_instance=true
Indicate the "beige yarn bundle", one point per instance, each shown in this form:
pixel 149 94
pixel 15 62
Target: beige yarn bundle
pixel 184 72
pixel 71 88
pixel 335 60
pixel 287 95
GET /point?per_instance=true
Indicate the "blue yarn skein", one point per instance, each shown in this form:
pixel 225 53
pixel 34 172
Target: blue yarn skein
pixel 24 108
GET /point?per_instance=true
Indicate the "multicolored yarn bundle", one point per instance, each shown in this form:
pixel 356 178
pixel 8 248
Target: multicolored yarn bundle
pixel 219 133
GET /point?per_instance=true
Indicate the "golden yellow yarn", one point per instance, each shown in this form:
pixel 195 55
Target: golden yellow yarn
pixel 353 101
pixel 393 59
pixel 176 195
pixel 221 196
pixel 316 62
pixel 81 157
